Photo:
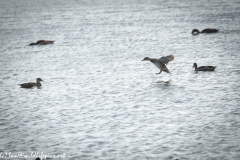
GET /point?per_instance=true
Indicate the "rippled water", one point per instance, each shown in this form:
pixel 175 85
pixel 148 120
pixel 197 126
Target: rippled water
pixel 99 100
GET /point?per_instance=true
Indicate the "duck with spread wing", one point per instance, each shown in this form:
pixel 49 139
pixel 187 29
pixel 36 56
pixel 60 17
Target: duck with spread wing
pixel 161 62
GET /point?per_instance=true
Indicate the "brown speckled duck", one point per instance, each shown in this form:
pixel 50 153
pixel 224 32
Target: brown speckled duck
pixel 41 42
pixel 31 84
pixel 207 30
pixel 204 68
pixel 161 62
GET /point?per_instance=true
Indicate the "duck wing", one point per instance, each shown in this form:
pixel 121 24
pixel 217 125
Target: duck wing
pixel 28 85
pixel 209 30
pixel 206 68
pixel 43 42
pixel 165 69
pixel 162 67
pixel 40 41
pixel 166 59
pixel 211 66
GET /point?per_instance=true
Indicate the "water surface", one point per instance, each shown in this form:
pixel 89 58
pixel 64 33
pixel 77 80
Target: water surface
pixel 99 100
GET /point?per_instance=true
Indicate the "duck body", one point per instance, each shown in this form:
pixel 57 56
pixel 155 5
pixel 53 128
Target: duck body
pixel 207 30
pixel 32 84
pixel 41 42
pixel 161 62
pixel 204 68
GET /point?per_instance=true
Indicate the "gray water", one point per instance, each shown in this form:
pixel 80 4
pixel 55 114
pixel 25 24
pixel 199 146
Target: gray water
pixel 99 100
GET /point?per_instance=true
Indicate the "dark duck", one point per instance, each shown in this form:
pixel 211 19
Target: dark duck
pixel 203 68
pixel 207 30
pixel 41 42
pixel 32 84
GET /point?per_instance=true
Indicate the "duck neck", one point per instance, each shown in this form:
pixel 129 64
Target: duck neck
pixel 152 61
pixel 195 65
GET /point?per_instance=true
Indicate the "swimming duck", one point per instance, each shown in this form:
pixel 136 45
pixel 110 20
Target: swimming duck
pixel 204 68
pixel 41 42
pixel 37 158
pixel 31 84
pixel 161 62
pixel 207 30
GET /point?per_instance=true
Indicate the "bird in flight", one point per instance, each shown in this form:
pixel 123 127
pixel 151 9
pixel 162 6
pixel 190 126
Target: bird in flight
pixel 161 62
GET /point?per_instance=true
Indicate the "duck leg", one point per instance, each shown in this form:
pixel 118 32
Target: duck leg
pixel 159 72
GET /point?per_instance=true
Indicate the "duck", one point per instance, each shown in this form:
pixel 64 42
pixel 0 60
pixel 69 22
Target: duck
pixel 207 30
pixel 161 62
pixel 42 42
pixel 32 84
pixel 37 158
pixel 204 68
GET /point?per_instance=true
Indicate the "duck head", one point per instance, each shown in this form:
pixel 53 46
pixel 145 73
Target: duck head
pixel 194 65
pixel 39 80
pixel 146 59
pixel 195 32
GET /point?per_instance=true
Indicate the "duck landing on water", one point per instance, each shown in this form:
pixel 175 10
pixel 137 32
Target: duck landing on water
pixel 161 62
pixel 41 42
pixel 32 84
pixel 204 68
pixel 207 30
